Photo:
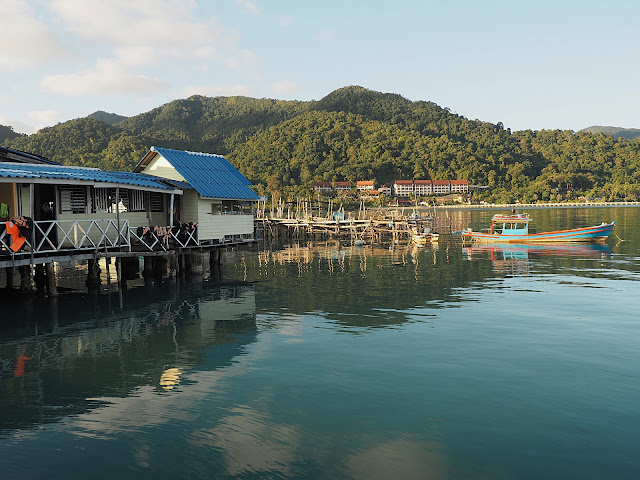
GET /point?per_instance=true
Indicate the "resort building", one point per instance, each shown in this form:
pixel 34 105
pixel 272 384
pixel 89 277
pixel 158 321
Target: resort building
pixel 342 186
pixel 322 187
pixel 422 187
pixel 459 186
pixel 384 190
pixel 441 187
pixel 403 188
pixel 363 185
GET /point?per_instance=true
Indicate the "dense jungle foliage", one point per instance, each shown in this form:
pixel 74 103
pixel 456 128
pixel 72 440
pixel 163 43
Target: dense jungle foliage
pixel 357 134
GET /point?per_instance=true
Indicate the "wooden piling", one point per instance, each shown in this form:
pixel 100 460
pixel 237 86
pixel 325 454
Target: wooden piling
pixel 51 280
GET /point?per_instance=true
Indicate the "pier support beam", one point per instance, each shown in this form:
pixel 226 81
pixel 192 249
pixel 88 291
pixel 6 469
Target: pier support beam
pixel 10 280
pixel 173 266
pixel 25 279
pixel 148 269
pixel 93 275
pixel 40 278
pixel 51 279
pixel 196 264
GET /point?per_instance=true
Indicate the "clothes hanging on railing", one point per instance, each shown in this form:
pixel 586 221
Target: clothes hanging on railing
pixel 25 224
pixel 17 240
pixel 4 210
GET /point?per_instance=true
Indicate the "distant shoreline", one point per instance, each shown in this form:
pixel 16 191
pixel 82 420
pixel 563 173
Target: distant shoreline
pixel 522 206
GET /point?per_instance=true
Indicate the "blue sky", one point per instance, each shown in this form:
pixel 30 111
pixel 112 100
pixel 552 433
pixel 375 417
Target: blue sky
pixel 531 65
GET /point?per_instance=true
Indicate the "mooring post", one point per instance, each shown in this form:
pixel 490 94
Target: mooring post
pixel 93 274
pixel 41 279
pixel 10 280
pixel 173 265
pixel 51 280
pixel 25 278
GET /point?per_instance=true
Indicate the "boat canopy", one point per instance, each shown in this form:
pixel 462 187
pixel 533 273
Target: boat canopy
pixel 519 218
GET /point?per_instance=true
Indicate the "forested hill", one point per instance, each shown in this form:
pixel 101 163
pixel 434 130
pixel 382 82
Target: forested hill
pixel 7 133
pixel 628 133
pixel 356 134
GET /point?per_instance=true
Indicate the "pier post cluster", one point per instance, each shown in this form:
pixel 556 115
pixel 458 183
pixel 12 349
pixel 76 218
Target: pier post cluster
pixel 43 279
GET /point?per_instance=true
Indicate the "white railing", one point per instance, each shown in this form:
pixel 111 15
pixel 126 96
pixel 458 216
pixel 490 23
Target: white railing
pixel 61 235
pixel 164 238
pixel 66 235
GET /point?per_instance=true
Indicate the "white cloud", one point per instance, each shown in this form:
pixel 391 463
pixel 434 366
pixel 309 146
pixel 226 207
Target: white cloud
pixel 248 6
pixel 27 41
pixel 45 117
pixel 223 90
pixel 326 35
pixel 285 21
pixel 284 88
pixel 147 30
pixel 241 59
pixel 137 55
pixel 18 126
pixel 107 77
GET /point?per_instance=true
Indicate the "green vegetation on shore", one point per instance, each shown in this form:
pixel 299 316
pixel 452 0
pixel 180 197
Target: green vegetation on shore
pixel 357 134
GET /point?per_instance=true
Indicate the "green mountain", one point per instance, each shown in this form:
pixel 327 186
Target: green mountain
pixel 108 118
pixel 7 133
pixel 618 132
pixel 353 134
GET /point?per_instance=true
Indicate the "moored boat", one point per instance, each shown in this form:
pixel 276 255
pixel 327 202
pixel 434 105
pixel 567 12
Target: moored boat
pixel 515 229
pixel 424 237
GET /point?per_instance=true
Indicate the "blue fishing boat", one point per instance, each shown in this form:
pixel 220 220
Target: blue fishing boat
pixel 515 229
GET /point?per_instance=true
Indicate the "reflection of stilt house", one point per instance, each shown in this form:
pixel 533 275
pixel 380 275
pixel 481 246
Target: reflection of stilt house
pixel 173 202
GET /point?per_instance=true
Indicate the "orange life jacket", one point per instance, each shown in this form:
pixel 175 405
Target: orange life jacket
pixel 16 240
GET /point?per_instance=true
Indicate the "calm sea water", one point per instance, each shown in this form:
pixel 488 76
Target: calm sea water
pixel 323 361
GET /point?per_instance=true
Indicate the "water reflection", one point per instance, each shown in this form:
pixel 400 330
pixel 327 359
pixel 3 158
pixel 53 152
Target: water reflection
pixel 517 258
pixel 68 355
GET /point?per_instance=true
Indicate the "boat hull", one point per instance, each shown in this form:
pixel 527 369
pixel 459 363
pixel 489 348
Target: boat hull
pixel 596 234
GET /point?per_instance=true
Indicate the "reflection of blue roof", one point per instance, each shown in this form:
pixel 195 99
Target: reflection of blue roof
pixel 61 172
pixel 211 175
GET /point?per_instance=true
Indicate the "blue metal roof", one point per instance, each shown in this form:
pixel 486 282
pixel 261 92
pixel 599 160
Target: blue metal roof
pixel 29 156
pixel 211 175
pixel 61 172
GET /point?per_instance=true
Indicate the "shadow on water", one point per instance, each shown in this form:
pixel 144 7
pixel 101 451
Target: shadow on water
pixel 57 355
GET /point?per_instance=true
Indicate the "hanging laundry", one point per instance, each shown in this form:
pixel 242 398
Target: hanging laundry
pixel 17 240
pixel 4 210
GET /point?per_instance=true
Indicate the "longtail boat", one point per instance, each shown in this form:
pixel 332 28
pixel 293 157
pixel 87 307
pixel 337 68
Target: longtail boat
pixel 515 229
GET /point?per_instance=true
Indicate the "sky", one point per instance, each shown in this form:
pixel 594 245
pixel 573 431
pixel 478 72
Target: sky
pixel 529 64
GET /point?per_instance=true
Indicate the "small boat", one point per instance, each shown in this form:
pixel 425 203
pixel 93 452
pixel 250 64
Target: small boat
pixel 424 237
pixel 515 229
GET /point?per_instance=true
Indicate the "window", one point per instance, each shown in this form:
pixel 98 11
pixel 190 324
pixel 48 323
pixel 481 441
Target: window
pixel 157 202
pixel 136 201
pixel 104 199
pixel 73 199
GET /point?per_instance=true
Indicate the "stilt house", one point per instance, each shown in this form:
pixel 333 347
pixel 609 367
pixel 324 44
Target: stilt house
pixel 217 197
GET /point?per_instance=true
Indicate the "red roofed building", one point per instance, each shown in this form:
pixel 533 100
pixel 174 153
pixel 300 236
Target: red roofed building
pixel 422 187
pixel 342 185
pixel 441 187
pixel 365 185
pixel 322 186
pixel 459 186
pixel 403 188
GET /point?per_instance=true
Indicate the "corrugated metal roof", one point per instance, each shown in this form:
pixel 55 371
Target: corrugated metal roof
pixel 62 172
pixel 211 175
pixel 27 156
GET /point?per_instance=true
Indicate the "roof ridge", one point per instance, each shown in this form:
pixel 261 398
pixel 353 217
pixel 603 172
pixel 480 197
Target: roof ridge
pixel 217 155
